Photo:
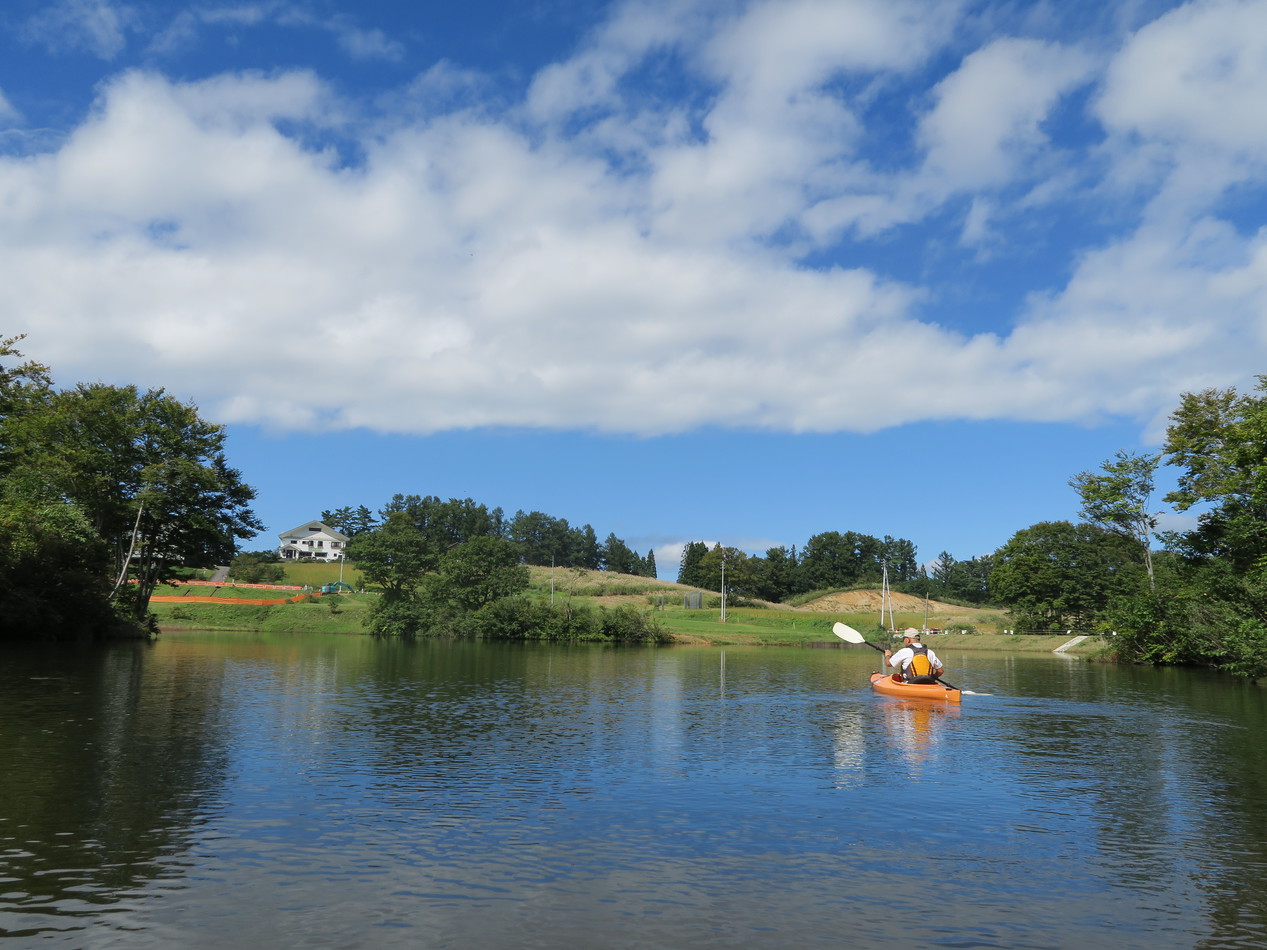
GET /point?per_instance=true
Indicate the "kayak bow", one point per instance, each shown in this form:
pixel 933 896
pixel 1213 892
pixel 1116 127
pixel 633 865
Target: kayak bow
pixel 885 684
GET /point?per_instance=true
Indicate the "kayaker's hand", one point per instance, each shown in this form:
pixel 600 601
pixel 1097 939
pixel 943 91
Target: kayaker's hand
pixel 888 654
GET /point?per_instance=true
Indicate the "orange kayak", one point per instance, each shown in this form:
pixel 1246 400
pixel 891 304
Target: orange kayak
pixel 886 685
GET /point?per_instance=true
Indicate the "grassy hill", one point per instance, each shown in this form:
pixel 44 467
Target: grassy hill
pixel 769 624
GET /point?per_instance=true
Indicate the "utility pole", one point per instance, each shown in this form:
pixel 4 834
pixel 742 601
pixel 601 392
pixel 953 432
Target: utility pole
pixel 723 585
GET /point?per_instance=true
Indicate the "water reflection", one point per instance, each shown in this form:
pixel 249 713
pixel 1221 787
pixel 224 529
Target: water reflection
pixel 102 788
pixel 268 791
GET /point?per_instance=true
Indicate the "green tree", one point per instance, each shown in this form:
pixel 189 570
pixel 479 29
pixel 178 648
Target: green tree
pixel 689 572
pixel 943 570
pixel 150 475
pixel 258 567
pixel 54 573
pixel 1117 498
pixel 340 519
pixel 834 559
pixel 776 574
pixel 742 575
pixel 969 580
pixel 1218 440
pixel 24 388
pixel 446 523
pixel 542 539
pixel 476 573
pixel 1216 601
pixel 899 554
pixel 618 558
pixel 648 566
pixel 583 549
pixel 394 557
pixel 1056 575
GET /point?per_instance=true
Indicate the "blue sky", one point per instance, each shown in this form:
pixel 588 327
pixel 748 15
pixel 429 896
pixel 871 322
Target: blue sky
pixel 679 269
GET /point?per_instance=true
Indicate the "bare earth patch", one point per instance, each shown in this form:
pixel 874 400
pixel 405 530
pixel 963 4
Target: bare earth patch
pixel 865 601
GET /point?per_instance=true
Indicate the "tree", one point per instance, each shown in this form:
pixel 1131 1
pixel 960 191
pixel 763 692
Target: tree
pixel 395 557
pixel 476 573
pixel 832 559
pixel 1117 499
pixel 23 388
pixel 618 558
pixel 583 549
pixel 970 580
pixel 1057 575
pixel 446 523
pixel 257 567
pixel 742 575
pixel 943 569
pixel 54 573
pixel 648 568
pixel 899 554
pixel 689 573
pixel 338 519
pixel 1218 440
pixel 776 574
pixel 542 539
pixel 149 474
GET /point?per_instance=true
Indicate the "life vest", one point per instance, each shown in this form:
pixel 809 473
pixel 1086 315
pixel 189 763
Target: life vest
pixel 920 668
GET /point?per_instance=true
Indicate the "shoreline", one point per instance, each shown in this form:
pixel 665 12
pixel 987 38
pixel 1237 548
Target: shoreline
pixel 985 642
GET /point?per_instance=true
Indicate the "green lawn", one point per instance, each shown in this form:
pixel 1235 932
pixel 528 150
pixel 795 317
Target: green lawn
pixel 744 625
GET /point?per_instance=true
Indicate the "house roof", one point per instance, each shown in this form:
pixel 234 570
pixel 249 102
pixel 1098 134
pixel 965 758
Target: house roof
pixel 310 528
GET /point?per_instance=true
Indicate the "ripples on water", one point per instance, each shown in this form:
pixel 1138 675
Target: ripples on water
pixel 336 792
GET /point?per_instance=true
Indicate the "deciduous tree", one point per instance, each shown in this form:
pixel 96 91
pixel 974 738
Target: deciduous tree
pixel 1118 499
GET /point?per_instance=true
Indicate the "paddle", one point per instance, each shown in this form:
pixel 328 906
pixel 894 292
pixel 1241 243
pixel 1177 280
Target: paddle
pixel 850 635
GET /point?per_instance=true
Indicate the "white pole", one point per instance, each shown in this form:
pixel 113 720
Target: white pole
pixel 723 587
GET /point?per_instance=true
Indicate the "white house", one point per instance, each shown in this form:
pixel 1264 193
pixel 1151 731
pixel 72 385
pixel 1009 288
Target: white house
pixel 312 539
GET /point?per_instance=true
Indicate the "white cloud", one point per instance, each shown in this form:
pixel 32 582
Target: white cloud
pixel 1194 78
pixel 500 268
pixel 187 28
pixel 367 44
pixel 986 126
pixel 98 26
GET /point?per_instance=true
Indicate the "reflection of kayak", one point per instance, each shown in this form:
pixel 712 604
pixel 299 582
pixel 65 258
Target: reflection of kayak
pixel 889 687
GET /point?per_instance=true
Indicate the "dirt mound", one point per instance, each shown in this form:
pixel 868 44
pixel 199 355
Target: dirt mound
pixel 860 600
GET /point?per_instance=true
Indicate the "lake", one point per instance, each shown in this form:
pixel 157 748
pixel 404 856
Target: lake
pixel 265 791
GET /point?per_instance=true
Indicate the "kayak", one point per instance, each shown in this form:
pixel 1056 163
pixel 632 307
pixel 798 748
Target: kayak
pixel 885 684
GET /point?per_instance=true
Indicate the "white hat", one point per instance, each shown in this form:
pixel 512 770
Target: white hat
pixel 911 632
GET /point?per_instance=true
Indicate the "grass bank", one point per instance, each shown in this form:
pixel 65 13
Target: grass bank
pixel 744 626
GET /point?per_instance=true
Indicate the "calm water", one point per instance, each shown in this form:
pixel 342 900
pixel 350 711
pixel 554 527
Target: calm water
pixel 259 791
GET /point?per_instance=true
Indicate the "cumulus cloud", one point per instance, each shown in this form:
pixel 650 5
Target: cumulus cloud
pixel 607 258
pixel 986 125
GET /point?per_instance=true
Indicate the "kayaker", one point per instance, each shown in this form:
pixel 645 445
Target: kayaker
pixel 915 662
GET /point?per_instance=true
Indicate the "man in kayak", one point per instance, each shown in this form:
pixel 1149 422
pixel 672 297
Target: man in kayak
pixel 916 662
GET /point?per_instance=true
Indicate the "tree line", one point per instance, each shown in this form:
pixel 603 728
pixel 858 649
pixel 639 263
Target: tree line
pixel 832 560
pixel 539 539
